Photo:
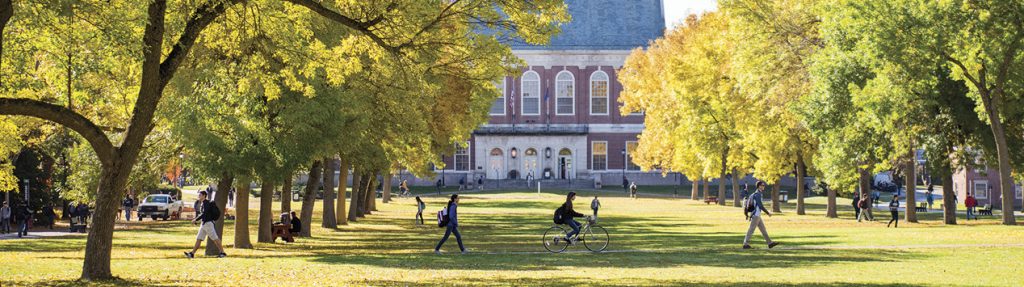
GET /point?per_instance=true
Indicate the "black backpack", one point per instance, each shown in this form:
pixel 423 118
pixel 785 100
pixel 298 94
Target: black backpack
pixel 750 205
pixel 559 218
pixel 442 217
pixel 213 214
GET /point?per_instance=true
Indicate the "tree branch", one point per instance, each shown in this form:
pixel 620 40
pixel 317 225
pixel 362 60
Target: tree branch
pixel 362 27
pixel 198 21
pixel 63 116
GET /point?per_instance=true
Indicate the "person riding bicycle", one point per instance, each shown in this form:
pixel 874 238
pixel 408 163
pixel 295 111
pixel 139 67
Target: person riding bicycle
pixel 568 214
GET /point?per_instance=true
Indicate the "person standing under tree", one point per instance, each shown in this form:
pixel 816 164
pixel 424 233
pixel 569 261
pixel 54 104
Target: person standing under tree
pixel 894 208
pixel 930 197
pixel 208 215
pixel 451 212
pixel 856 205
pixel 127 204
pixel 753 213
pixel 5 218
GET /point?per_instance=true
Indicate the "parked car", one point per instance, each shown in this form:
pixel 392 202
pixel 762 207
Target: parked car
pixel 160 206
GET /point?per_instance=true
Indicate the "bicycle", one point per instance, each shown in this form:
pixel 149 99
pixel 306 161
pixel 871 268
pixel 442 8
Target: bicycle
pixel 594 237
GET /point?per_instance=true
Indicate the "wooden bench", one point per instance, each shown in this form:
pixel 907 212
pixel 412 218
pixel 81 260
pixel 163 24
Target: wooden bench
pixel 923 206
pixel 987 210
pixel 711 199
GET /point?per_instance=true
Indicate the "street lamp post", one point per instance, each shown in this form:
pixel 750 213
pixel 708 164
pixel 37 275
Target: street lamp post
pixel 26 181
pixel 624 182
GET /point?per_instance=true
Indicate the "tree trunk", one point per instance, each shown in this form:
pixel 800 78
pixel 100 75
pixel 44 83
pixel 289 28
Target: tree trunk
pixel 735 188
pixel 242 213
pixel 101 233
pixel 221 200
pixel 694 188
pixel 865 191
pixel 707 187
pixel 800 188
pixel 1002 154
pixel 266 211
pixel 831 210
pixel 387 186
pixel 309 197
pixel 911 183
pixel 776 188
pixel 357 185
pixel 721 179
pixel 328 178
pixel 286 193
pixel 341 215
pixel 948 193
pixel 369 192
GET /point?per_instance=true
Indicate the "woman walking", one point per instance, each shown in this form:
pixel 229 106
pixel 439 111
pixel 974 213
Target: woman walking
pixel 894 208
pixel 420 206
pixel 453 225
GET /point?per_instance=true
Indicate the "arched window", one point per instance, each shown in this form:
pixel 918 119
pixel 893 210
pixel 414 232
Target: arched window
pixel 565 93
pixel 599 93
pixel 498 107
pixel 531 93
pixel 565 151
pixel 496 152
pixel 530 152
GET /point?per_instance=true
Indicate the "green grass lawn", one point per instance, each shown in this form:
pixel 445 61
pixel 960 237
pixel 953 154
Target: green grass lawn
pixel 654 242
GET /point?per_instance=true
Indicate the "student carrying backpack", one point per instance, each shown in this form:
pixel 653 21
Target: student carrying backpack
pixel 450 219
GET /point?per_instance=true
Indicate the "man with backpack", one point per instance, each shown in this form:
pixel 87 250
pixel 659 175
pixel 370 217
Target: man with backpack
pixel 210 213
pixel 752 211
pixel 449 219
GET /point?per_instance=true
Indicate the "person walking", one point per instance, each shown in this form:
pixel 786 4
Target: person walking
pixel 753 212
pixel 865 203
pixel 856 205
pixel 83 213
pixel 208 213
pixel 462 183
pixel 625 184
pixel 5 218
pixel 930 197
pixel 632 190
pixel 231 197
pixel 894 208
pixel 24 216
pixel 49 216
pixel 971 204
pixel 420 206
pixel 438 186
pixel 404 188
pixel 480 183
pixel 451 212
pixel 595 205
pixel 127 204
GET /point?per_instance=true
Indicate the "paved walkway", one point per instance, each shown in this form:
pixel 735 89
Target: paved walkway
pixel 40 234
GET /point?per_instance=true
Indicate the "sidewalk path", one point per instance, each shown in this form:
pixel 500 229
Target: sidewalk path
pixel 40 234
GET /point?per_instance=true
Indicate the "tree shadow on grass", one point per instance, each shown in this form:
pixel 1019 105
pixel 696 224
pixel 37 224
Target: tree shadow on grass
pixel 569 281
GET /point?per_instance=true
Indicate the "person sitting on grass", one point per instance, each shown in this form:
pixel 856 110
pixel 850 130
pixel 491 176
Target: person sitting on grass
pixel 209 214
pixel 567 217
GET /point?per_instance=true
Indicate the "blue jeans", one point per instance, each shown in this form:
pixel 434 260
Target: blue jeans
pixel 5 225
pixel 127 214
pixel 458 237
pixel 23 231
pixel 970 213
pixel 575 228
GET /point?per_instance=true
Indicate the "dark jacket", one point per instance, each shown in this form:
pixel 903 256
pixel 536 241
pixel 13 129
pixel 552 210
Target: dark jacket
pixel 568 213
pixel 128 203
pixel 453 214
pixel 296 225
pixel 755 200
pixel 206 208
pixel 856 202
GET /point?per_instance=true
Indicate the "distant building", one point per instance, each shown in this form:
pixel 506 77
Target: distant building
pixel 984 184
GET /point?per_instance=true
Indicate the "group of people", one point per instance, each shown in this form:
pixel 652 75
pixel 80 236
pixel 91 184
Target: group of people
pixel 21 215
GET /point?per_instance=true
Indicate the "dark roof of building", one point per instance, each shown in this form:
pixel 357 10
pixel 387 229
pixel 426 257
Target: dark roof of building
pixel 607 25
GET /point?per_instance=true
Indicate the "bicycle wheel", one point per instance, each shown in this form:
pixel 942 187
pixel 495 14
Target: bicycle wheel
pixel 554 239
pixel 595 238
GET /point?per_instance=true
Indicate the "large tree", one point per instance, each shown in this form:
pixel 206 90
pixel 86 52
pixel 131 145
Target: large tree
pixel 405 35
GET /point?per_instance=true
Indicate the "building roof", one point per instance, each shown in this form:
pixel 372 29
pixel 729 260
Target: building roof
pixel 607 25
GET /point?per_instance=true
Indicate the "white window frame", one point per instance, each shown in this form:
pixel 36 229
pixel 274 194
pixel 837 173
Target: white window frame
pixel 572 97
pixel 503 98
pixel 593 154
pixel 984 191
pixel 629 156
pixel 607 93
pixel 1017 191
pixel 522 91
pixel 465 153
